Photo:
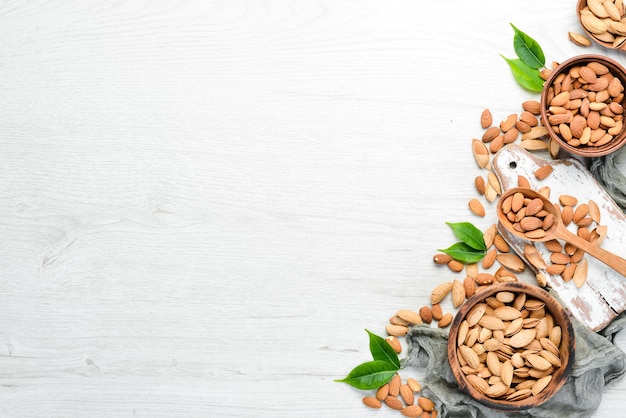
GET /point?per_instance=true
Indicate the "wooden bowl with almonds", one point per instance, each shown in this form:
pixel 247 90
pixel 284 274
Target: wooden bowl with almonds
pixel 582 105
pixel 511 346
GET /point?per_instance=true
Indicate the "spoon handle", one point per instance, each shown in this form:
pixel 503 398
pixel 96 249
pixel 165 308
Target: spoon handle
pixel 615 262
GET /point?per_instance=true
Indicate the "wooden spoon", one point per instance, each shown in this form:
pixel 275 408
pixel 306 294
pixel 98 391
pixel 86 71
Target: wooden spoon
pixel 559 230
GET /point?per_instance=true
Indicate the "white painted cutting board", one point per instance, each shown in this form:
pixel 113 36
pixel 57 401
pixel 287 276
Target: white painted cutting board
pixel 603 296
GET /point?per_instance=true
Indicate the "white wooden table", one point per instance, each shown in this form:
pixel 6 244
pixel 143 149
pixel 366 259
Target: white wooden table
pixel 204 203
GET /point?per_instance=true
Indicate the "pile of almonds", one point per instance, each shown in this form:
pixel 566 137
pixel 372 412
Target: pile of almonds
pixel 401 396
pixel 605 21
pixel 508 346
pixel 585 105
pixel 565 259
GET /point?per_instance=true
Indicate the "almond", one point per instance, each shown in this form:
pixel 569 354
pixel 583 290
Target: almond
pixel 372 402
pixel 407 394
pixel 568 200
pixel 426 314
pixel 440 292
pixel 489 259
pixel 490 134
pixel 522 338
pixel 469 286
pixel 532 106
pixel 394 385
pixel 481 153
pixel 491 322
pixel 426 404
pixel 483 279
pixel 394 343
pixel 396 330
pixel 382 392
pixel 543 172
pixel 393 403
pixel 479 183
pixel 414 385
pixel 409 316
pixel 445 320
pixel 486 119
pixel 441 258
pixel 476 207
pixel 511 261
pixel 413 411
pixel 579 39
pixel 458 293
pixel 436 312
pixel 475 314
pixel 455 266
pixel 580 274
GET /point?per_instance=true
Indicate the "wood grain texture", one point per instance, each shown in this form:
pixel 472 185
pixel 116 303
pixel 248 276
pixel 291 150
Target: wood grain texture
pixel 203 203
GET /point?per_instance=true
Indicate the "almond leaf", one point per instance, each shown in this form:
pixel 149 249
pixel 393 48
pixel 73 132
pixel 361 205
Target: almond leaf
pixel 370 375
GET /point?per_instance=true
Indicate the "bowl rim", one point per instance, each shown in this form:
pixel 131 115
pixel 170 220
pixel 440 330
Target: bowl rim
pixel 562 373
pixel 613 145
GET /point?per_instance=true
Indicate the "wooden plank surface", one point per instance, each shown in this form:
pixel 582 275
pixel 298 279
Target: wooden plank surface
pixel 603 296
pixel 204 203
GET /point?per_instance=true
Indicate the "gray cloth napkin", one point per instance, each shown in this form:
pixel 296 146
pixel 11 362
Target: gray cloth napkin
pixel 605 170
pixel 598 363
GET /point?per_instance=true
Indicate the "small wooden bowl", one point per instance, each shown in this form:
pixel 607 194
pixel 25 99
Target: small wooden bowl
pixel 566 348
pixel 583 150
pixel 579 7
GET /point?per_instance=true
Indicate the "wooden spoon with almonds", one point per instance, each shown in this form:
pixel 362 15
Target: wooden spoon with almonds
pixel 530 215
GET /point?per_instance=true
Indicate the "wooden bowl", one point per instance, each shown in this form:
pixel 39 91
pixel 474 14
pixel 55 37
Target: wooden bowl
pixel 583 150
pixel 565 349
pixel 594 37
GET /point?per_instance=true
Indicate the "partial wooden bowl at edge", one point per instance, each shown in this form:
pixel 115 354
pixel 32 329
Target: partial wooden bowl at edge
pixel 566 349
pixel 585 151
pixel 580 6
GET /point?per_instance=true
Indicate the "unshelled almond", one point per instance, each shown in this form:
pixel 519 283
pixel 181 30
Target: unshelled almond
pixel 469 286
pixel 412 411
pixel 414 385
pixel 476 207
pixel 409 316
pixel 486 119
pixel 426 314
pixel 532 106
pixel 445 320
pixel 436 311
pixel 394 343
pixel 372 402
pixel 382 392
pixel 479 183
pixel 543 172
pixel 441 258
pixel 455 265
pixel 426 404
pixel 397 330
pixel 407 394
pixel 458 293
pixel 393 402
pixel 394 385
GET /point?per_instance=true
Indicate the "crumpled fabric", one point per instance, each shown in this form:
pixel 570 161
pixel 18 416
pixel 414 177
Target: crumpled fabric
pixel 598 363
pixel 606 171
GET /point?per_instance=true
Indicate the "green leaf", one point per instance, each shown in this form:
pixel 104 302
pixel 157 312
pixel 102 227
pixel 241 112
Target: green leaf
pixel 464 253
pixel 370 375
pixel 381 350
pixel 527 77
pixel 528 50
pixel 469 234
